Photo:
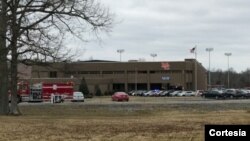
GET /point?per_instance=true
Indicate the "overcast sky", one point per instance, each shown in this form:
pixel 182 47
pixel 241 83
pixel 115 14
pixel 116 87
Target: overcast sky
pixel 170 28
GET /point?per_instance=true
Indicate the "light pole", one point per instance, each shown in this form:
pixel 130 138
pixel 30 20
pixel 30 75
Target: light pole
pixel 209 75
pixel 135 78
pixel 120 51
pixel 228 54
pixel 153 55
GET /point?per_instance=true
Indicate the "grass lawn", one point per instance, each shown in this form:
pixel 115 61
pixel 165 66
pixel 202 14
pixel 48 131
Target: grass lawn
pixel 108 123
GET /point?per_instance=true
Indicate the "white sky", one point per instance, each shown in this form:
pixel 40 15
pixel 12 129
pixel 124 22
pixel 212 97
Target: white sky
pixel 170 28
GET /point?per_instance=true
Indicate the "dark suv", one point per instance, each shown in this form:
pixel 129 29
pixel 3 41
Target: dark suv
pixel 234 93
pixel 213 94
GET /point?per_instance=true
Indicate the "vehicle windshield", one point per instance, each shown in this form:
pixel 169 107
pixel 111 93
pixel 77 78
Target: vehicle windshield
pixel 78 94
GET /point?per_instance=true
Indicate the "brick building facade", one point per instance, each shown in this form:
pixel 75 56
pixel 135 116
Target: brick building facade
pixel 125 76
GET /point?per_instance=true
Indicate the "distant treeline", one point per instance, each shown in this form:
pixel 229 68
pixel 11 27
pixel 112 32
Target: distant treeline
pixel 236 80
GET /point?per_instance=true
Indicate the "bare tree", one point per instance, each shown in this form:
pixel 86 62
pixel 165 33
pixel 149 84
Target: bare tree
pixel 36 30
pixel 4 109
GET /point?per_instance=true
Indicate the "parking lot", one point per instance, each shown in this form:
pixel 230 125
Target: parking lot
pixel 106 100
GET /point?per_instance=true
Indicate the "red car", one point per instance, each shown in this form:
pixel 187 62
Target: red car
pixel 120 96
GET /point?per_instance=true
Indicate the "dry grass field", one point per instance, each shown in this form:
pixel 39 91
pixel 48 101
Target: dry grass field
pixel 119 122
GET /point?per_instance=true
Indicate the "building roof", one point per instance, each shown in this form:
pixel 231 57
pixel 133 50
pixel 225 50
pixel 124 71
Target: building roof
pixel 92 61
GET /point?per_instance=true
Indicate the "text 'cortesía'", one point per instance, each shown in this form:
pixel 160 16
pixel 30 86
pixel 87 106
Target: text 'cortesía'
pixel 228 133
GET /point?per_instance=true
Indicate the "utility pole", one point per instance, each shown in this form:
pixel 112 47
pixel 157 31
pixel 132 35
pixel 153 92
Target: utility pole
pixel 120 51
pixel 136 78
pixel 228 55
pixel 209 75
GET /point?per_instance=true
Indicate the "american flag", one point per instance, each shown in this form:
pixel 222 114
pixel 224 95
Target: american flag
pixel 193 50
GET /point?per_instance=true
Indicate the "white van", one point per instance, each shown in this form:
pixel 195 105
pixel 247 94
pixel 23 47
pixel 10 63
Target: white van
pixel 78 96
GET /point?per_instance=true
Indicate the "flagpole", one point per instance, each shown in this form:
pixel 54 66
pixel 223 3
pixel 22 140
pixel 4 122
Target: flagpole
pixel 194 50
pixel 195 68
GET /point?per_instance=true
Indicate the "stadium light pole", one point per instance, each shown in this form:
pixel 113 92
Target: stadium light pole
pixel 228 54
pixel 120 51
pixel 209 74
pixel 153 55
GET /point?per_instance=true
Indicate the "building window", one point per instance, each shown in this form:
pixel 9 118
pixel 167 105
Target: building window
pixel 152 72
pixel 118 72
pixel 94 72
pixel 165 71
pixel 155 71
pixel 107 72
pixel 176 71
pixel 83 72
pixel 189 71
pixel 131 72
pixel 142 71
pixel 70 72
pixel 53 74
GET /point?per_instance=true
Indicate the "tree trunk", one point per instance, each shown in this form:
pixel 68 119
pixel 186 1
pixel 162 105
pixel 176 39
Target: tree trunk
pixel 14 110
pixel 4 102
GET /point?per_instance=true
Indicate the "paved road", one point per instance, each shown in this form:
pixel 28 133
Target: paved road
pixel 148 100
pixel 149 103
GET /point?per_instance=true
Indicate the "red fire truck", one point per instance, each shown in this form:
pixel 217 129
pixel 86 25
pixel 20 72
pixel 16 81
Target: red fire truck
pixel 23 91
pixel 42 91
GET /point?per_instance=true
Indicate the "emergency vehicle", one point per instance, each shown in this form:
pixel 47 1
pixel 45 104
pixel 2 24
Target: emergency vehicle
pixel 42 91
pixel 23 91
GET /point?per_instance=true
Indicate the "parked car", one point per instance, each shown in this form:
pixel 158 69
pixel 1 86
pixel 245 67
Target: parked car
pixel 182 93
pixel 138 93
pixel 174 93
pixel 165 93
pixel 131 92
pixel 190 93
pixel 148 93
pixel 246 93
pixel 78 96
pixel 156 93
pixel 186 93
pixel 234 93
pixel 213 94
pixel 120 96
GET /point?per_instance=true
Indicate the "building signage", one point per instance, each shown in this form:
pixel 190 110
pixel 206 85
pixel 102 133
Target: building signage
pixel 165 65
pixel 165 78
